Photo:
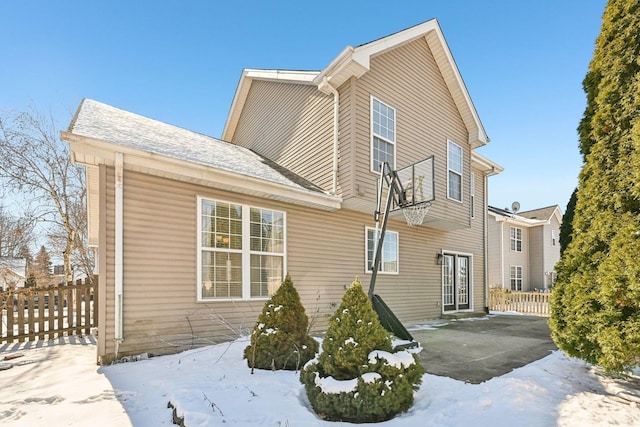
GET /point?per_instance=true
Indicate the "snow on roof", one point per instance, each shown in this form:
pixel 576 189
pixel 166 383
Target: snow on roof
pixel 18 266
pixel 104 122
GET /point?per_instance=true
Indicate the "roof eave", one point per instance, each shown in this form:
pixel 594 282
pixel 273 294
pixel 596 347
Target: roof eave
pixel 90 151
pixel 488 167
pixel 354 62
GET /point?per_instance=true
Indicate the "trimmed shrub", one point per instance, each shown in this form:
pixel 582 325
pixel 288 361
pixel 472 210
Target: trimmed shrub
pixel 358 378
pixel 279 339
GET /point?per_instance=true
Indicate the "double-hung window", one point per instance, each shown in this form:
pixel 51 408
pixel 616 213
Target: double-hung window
pixel 515 276
pixel 454 166
pixel 515 234
pixel 383 134
pixel 389 260
pixel 241 251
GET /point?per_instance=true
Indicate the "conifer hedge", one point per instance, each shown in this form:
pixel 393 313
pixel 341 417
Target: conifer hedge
pixel 358 377
pixel 280 339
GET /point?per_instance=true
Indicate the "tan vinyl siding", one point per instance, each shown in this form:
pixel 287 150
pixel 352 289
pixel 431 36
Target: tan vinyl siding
pixel 551 251
pixel 495 253
pixel 291 124
pixel 347 137
pixel 536 257
pixel 325 252
pixel 408 79
pixel 516 258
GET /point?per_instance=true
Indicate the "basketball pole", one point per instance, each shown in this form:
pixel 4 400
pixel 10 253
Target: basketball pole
pixel 395 188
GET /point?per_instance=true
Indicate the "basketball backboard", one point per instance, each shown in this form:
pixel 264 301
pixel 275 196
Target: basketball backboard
pixel 415 185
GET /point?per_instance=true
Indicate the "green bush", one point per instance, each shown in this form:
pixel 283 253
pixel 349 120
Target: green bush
pixel 357 378
pixel 279 339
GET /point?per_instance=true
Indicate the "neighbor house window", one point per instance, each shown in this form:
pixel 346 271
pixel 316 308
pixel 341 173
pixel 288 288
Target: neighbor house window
pixel 516 239
pixel 472 190
pixel 454 165
pixel 515 277
pixel 241 251
pixel 389 260
pixel 553 237
pixel 383 134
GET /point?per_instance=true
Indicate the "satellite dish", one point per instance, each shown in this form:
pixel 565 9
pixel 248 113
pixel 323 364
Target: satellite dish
pixel 515 207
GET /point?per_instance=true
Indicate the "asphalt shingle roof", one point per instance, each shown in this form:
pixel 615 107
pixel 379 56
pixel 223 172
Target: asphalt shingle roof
pixel 542 213
pixel 104 122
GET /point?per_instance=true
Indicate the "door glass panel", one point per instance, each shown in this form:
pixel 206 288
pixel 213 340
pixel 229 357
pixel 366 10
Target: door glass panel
pixel 447 280
pixel 463 283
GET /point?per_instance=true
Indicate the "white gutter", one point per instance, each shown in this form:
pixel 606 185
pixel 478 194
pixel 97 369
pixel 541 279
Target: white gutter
pixel 336 110
pixel 119 171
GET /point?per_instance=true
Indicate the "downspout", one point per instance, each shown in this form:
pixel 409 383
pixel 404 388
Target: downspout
pixel 502 272
pixel 486 244
pixel 119 166
pixel 336 110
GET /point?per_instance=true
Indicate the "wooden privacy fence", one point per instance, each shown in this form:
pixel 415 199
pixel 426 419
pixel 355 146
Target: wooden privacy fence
pixel 536 303
pixel 32 313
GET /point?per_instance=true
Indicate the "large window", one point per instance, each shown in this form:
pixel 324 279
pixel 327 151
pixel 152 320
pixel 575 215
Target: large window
pixel 454 165
pixel 515 277
pixel 389 261
pixel 383 134
pixel 241 251
pixel 516 239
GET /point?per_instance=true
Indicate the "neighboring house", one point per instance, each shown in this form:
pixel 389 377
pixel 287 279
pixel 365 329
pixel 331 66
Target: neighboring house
pixel 193 233
pixel 524 248
pixel 13 273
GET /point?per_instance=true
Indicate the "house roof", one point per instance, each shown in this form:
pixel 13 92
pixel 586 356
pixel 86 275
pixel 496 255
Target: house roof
pixel 541 213
pixel 354 62
pixel 529 218
pixel 99 130
pixel 16 266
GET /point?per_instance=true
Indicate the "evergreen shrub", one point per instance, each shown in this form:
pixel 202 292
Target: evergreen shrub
pixel 358 377
pixel 280 339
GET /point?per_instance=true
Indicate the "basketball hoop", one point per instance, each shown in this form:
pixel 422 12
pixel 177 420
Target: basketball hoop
pixel 414 214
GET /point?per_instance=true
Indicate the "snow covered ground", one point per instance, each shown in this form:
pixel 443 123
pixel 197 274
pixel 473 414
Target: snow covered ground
pixel 56 384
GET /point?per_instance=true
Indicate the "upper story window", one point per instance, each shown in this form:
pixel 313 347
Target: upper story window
pixel 516 239
pixel 454 166
pixel 553 237
pixel 389 261
pixel 383 134
pixel 240 251
pixel 472 190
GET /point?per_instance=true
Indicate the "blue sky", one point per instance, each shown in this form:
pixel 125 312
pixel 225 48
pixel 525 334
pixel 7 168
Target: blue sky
pixel 180 61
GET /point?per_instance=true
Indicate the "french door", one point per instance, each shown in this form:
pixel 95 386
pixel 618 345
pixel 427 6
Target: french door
pixel 456 282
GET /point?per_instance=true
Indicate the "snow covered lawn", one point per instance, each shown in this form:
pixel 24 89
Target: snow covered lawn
pixel 60 385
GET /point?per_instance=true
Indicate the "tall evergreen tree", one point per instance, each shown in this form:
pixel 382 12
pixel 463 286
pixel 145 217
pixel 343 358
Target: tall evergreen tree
pixel 41 268
pixel 566 228
pixel 596 301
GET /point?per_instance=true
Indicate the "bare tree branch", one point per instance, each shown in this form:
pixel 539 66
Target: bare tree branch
pixel 37 166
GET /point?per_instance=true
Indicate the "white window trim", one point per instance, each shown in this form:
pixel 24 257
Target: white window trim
pixel 461 173
pixel 515 239
pixel 511 267
pixel 470 278
pixel 393 143
pixel 366 251
pixel 246 251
